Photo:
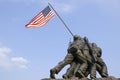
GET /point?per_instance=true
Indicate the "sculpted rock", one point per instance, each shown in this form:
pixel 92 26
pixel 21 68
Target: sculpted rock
pixel 75 78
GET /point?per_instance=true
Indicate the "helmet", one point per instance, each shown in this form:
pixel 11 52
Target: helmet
pixel 76 37
pixel 94 44
pixel 86 39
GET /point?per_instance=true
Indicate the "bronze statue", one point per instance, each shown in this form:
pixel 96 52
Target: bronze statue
pixel 84 59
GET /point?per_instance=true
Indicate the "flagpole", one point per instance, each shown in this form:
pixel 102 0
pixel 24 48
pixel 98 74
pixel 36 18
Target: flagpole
pixel 61 19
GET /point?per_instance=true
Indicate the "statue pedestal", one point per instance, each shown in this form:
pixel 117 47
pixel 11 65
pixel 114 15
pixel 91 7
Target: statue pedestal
pixel 75 78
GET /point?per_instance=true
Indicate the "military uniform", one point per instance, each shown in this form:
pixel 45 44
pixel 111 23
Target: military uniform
pixel 99 65
pixel 74 52
pixel 76 69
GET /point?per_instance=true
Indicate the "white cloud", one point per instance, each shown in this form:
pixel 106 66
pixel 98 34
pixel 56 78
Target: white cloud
pixel 65 8
pixel 20 62
pixel 108 6
pixel 5 62
pixel 62 6
pixel 4 59
pixel 8 62
pixel 17 0
pixel 111 7
pixel 4 51
pixel 26 2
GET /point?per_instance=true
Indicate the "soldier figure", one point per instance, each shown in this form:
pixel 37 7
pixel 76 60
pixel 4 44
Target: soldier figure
pixel 97 62
pixel 99 65
pixel 74 52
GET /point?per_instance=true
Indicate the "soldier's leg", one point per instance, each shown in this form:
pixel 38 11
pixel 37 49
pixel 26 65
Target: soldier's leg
pixel 79 55
pixel 82 70
pixel 102 68
pixel 77 68
pixel 93 71
pixel 89 60
pixel 87 72
pixel 104 71
pixel 68 59
pixel 70 70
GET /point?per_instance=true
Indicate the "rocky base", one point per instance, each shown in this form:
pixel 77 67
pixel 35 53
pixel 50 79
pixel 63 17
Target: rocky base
pixel 75 78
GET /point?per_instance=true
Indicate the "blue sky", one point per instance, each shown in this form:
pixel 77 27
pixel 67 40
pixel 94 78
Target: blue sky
pixel 29 53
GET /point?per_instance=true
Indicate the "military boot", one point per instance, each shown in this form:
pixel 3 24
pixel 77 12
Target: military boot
pixel 79 74
pixel 65 76
pixel 93 77
pixel 104 75
pixel 52 73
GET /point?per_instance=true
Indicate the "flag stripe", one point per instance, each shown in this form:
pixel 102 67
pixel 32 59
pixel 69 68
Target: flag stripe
pixel 42 18
pixel 41 21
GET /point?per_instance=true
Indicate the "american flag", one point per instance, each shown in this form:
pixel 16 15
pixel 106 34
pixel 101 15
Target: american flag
pixel 42 18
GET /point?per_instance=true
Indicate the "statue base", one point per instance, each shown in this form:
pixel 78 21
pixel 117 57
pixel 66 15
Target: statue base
pixel 76 78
